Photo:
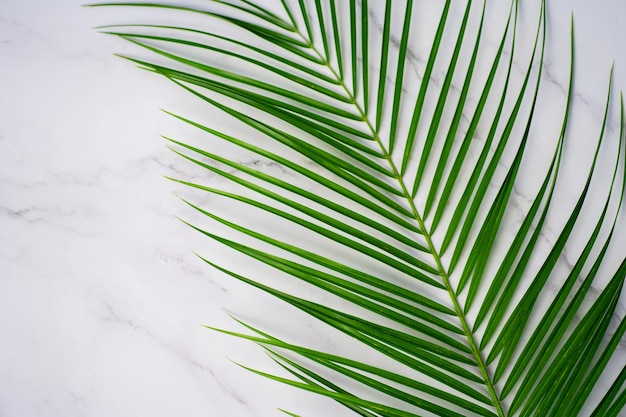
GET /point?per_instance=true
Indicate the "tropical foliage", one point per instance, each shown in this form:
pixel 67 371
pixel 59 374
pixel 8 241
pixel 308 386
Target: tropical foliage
pixel 394 196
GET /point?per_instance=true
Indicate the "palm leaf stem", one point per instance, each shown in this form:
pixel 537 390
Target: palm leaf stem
pixel 476 352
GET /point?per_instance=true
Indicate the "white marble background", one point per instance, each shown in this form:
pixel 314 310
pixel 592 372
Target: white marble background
pixel 101 299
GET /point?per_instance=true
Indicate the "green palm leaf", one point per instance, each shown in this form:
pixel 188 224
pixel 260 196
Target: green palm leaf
pixel 392 208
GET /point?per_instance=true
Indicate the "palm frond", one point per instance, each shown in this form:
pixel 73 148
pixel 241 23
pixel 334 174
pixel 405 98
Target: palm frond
pixel 394 209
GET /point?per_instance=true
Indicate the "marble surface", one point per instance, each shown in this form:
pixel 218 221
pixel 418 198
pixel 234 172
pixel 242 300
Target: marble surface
pixel 101 297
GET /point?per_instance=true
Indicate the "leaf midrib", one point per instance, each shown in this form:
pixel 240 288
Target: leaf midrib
pixel 482 366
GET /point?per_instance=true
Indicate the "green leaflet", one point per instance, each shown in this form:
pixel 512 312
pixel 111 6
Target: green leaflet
pixel 415 206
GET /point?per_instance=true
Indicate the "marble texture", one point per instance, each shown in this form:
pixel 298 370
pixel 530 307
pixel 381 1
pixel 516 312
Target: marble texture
pixel 101 297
